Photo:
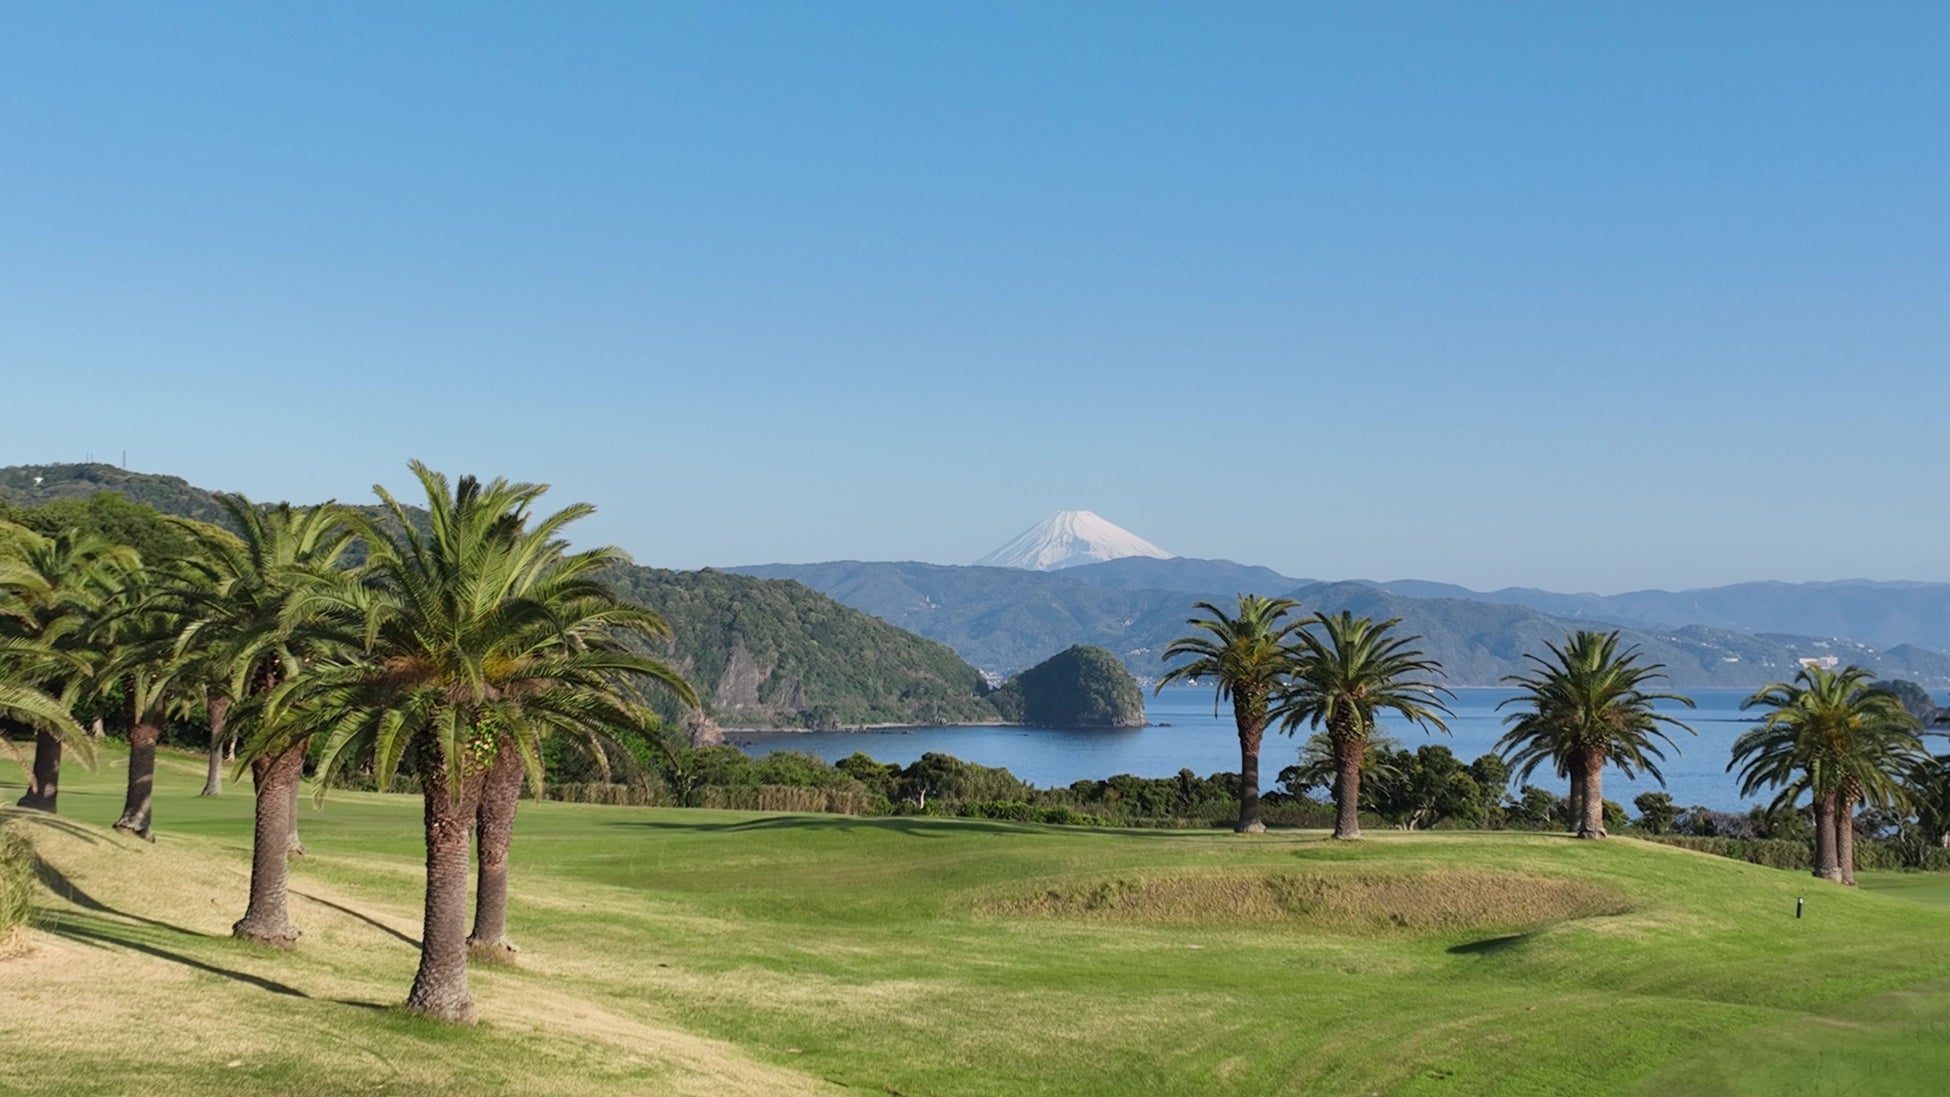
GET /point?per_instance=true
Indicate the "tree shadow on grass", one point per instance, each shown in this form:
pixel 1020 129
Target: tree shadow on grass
pixel 1490 946
pixel 29 817
pixel 366 918
pixel 93 931
pixel 55 881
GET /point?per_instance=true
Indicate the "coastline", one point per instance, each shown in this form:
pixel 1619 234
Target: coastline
pixel 881 729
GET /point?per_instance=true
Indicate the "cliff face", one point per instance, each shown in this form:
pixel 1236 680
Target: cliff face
pixel 774 654
pixel 1083 687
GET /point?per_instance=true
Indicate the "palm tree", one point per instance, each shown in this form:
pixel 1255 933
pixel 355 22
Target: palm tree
pixel 255 609
pixel 1320 765
pixel 1842 741
pixel 1345 678
pixel 55 589
pixel 483 634
pixel 1246 658
pixel 589 622
pixel 1583 709
pixel 147 673
pixel 22 665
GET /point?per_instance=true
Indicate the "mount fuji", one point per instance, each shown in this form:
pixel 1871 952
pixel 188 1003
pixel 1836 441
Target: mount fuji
pixel 1069 538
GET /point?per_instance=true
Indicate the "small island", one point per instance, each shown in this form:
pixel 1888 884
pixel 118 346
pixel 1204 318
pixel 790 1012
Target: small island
pixel 1082 687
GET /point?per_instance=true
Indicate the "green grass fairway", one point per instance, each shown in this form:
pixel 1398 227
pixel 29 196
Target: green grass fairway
pixel 1931 888
pixel 708 952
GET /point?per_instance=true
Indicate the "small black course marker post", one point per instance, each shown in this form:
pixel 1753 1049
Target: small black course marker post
pixel 1798 900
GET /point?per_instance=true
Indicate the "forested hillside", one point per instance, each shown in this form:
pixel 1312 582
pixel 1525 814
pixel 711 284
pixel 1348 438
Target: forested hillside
pixel 759 653
pixel 771 653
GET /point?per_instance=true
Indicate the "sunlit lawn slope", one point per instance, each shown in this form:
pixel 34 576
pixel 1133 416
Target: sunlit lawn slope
pixel 674 951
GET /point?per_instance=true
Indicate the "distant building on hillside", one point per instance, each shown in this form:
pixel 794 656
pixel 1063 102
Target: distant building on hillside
pixel 1824 662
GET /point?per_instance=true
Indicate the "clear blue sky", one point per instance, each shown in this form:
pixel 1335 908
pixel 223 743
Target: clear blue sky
pixel 1574 295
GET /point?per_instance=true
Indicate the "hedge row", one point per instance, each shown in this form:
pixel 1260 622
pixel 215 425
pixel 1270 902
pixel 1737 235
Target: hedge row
pixel 1782 853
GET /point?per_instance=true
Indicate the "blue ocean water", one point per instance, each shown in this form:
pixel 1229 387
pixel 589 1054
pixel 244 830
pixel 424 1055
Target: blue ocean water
pixel 1197 739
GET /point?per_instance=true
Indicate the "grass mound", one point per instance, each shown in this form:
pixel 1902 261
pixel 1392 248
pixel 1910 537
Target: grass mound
pixel 1440 901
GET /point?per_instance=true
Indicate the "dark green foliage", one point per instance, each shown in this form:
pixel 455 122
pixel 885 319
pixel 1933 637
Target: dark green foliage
pixel 1021 812
pixel 776 654
pixel 1771 852
pixel 108 516
pixel 1656 811
pixel 945 777
pixel 1536 809
pixel 1885 855
pixel 1427 788
pixel 1083 687
pixel 1186 797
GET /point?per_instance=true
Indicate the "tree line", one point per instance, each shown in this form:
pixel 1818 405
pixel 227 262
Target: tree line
pixel 455 644
pixel 1834 737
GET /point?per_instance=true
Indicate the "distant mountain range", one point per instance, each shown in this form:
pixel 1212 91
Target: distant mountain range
pixel 1004 619
pixel 1883 614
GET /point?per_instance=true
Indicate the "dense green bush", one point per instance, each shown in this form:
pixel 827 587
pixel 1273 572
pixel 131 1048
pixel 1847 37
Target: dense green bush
pixel 612 793
pixel 1771 852
pixel 1018 811
pixel 1870 854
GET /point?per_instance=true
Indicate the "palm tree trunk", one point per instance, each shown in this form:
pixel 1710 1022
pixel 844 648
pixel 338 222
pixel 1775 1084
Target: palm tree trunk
pixel 1349 753
pixel 138 802
pixel 1592 824
pixel 213 779
pixel 293 845
pixel 267 920
pixel 44 786
pixel 494 833
pixel 1845 839
pixel 1827 867
pixel 1574 803
pixel 440 985
pixel 1249 715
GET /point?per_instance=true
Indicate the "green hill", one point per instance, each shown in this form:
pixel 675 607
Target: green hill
pixel 772 653
pixel 1082 687
pixel 168 494
pixel 760 653
pixel 703 952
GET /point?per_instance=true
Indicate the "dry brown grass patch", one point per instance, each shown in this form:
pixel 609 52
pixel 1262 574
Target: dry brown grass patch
pixel 1428 902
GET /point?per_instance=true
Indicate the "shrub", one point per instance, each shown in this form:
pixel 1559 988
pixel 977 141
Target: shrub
pixel 1771 852
pixel 836 801
pixel 601 792
pixel 1015 811
pixel 1019 811
pixel 1063 815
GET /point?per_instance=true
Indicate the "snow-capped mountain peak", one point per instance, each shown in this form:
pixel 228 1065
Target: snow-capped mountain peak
pixel 1068 538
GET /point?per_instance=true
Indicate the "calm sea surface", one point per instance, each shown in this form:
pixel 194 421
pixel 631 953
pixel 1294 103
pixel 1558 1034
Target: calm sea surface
pixel 1205 743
